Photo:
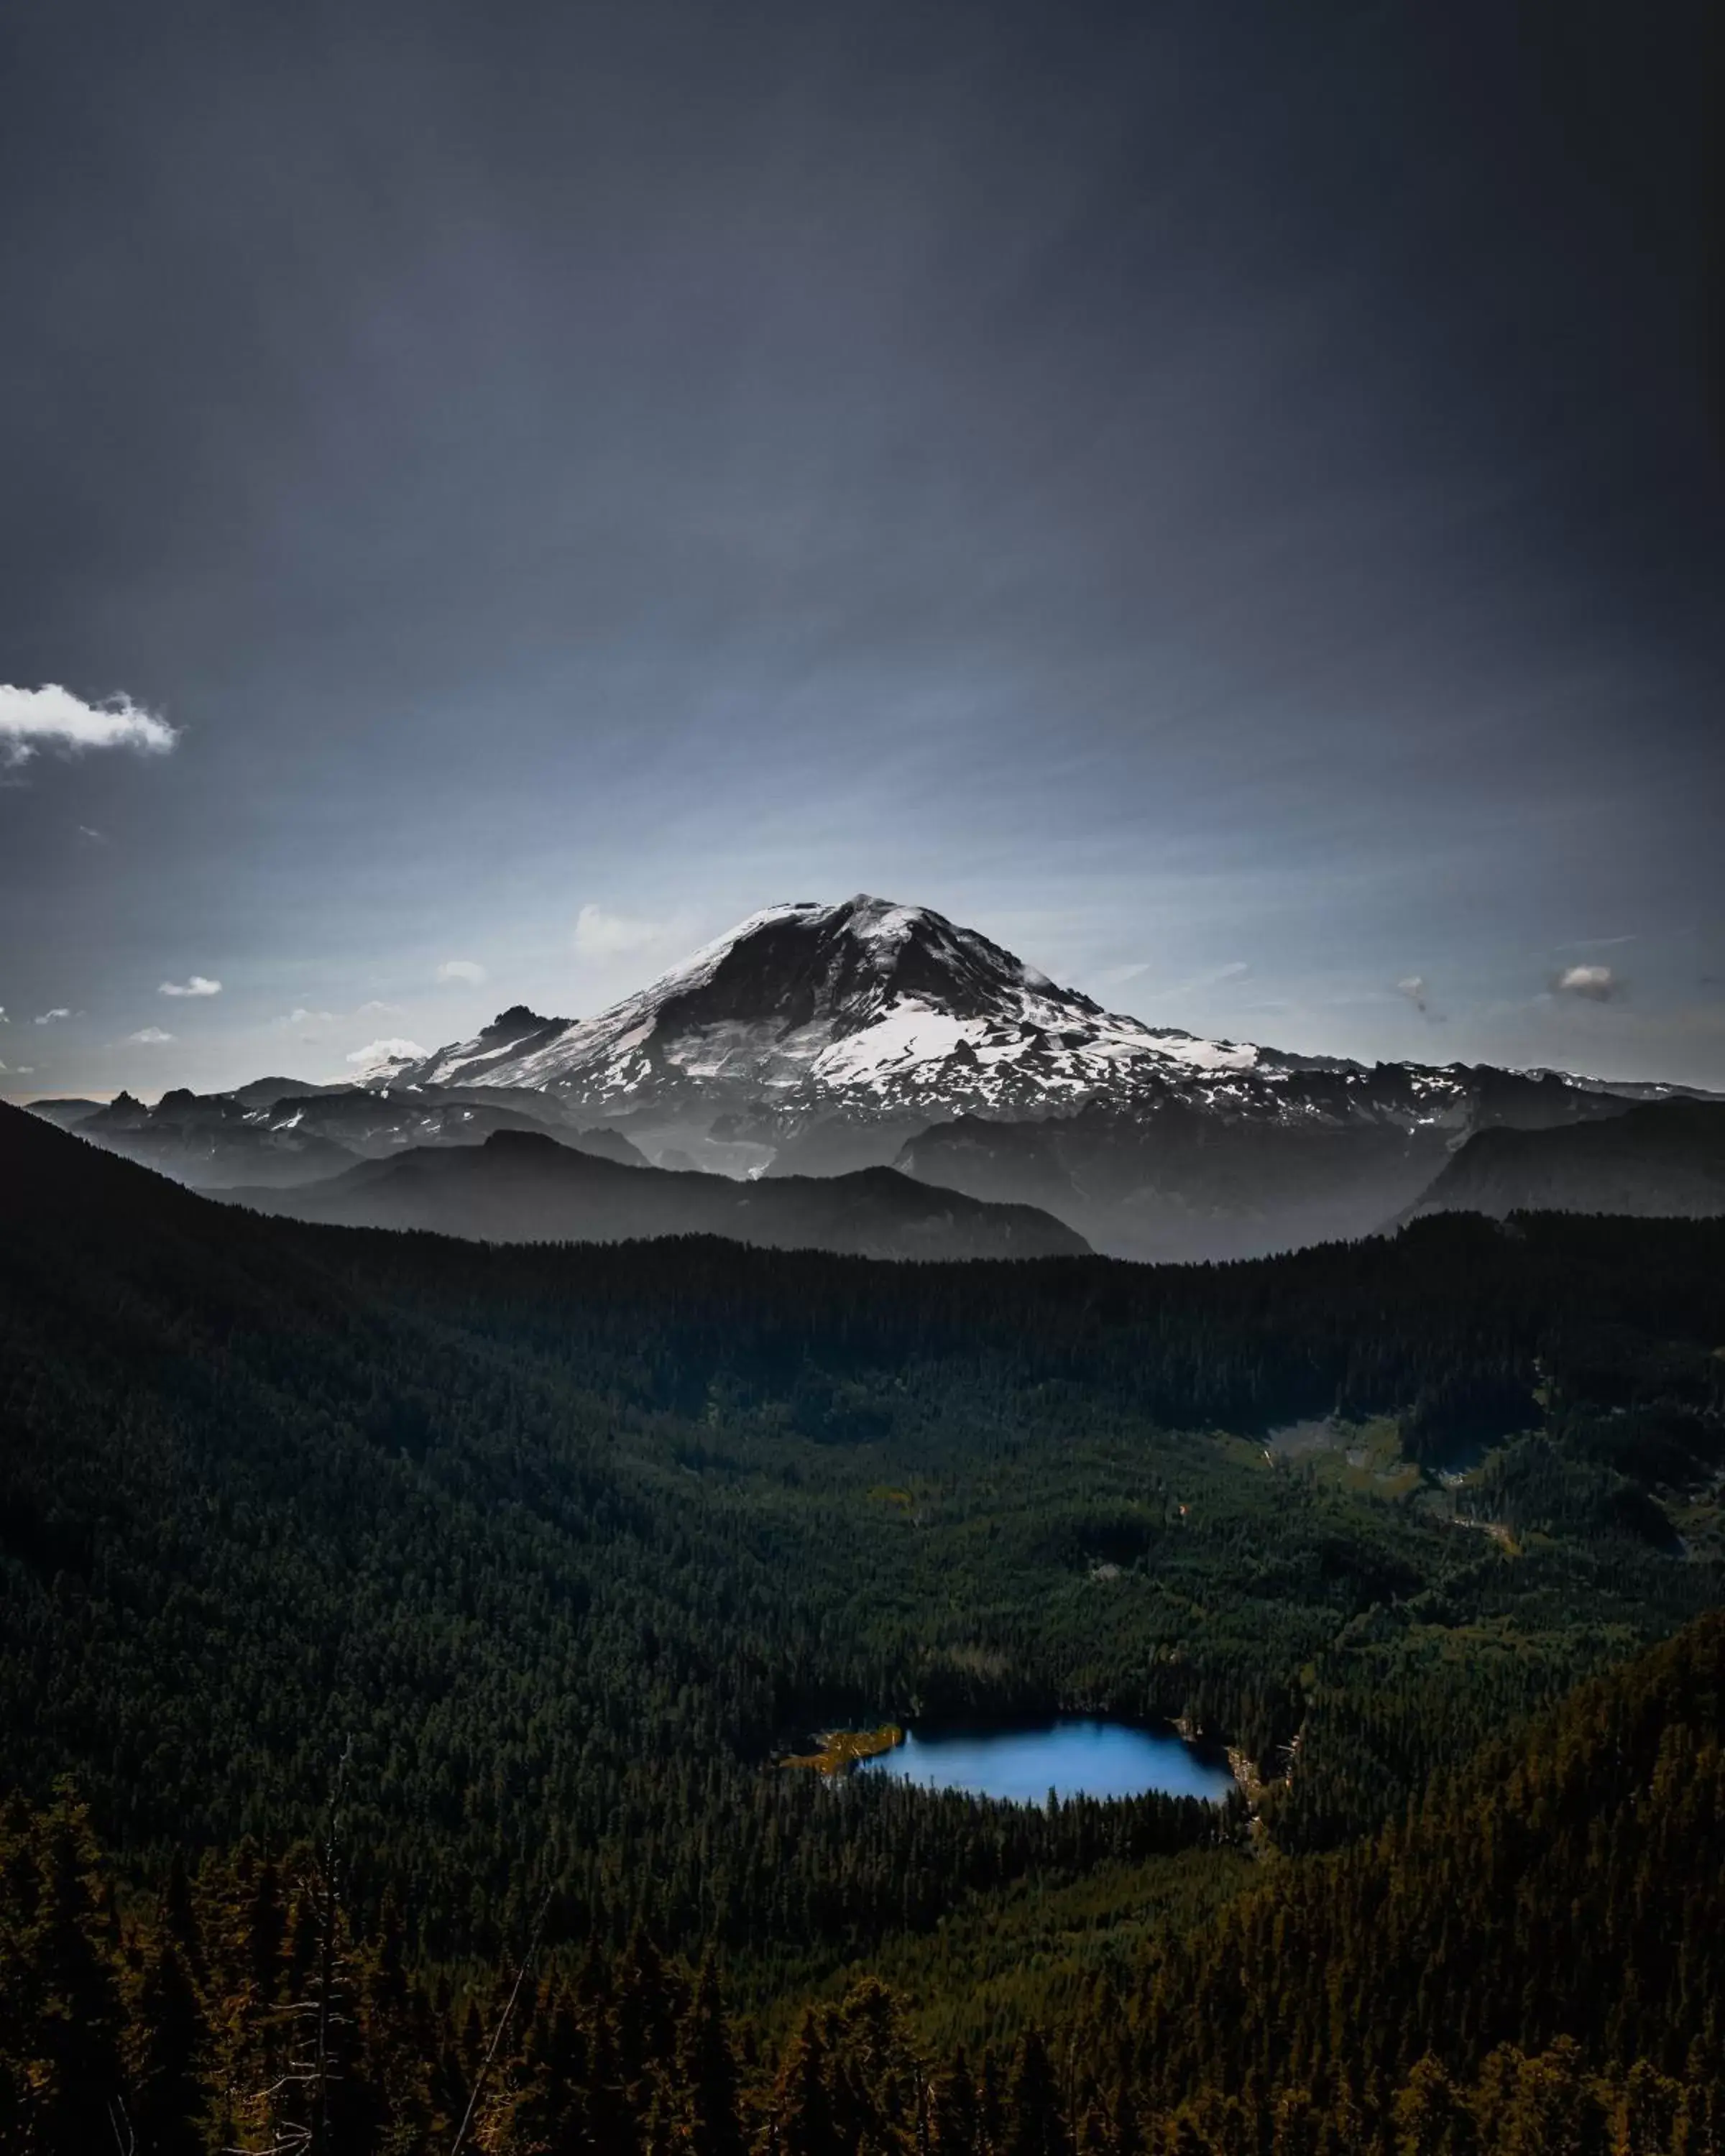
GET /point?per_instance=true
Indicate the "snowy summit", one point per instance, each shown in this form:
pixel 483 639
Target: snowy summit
pixel 866 1003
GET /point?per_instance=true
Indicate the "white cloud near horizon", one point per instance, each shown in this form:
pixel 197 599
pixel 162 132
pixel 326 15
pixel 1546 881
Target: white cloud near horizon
pixel 197 986
pixel 469 970
pixel 148 1036
pixel 377 1051
pixel 50 1017
pixel 53 716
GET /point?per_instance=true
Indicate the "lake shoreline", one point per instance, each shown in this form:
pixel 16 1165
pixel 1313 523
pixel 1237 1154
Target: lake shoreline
pixel 1025 1759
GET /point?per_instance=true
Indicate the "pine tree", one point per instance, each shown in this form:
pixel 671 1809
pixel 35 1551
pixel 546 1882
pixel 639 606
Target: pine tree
pixel 802 2109
pixel 72 2047
pixel 1034 2124
pixel 1431 2116
pixel 170 2041
pixel 707 2067
pixel 958 2118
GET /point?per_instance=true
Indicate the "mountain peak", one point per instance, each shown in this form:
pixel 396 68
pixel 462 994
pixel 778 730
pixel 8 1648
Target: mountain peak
pixel 808 1005
pixel 842 964
pixel 516 1023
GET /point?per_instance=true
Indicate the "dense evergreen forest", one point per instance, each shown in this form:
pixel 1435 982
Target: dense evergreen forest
pixel 382 1619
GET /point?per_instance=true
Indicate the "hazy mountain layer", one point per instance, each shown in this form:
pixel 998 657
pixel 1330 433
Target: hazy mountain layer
pixel 523 1187
pixel 279 1134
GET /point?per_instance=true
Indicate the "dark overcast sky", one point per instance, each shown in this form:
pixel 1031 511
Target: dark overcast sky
pixel 1227 500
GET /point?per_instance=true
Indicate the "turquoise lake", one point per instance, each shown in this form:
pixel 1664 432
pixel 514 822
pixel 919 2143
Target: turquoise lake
pixel 1022 1763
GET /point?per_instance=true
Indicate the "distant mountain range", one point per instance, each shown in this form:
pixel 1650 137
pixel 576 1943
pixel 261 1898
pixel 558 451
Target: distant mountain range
pixel 524 1186
pixel 277 1132
pixel 815 1040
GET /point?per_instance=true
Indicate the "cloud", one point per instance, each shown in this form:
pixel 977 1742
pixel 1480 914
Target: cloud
pixel 381 1010
pixel 52 1017
pixel 602 935
pixel 4 1020
pixel 385 1051
pixel 1599 984
pixel 1116 977
pixel 53 716
pixel 197 986
pixel 298 1015
pixel 90 831
pixel 148 1036
pixel 1212 979
pixel 462 969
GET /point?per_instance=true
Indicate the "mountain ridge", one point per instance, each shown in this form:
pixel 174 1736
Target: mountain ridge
pixel 1659 1158
pixel 524 1186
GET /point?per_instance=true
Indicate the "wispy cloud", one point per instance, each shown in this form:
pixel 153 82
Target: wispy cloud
pixel 54 717
pixel 197 986
pixel 469 970
pixel 298 1015
pixel 381 1010
pixel 148 1036
pixel 53 1017
pixel 1213 979
pixel 1116 977
pixel 1597 985
pixel 599 934
pixel 90 831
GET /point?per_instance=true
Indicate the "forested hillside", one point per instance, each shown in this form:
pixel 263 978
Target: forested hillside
pixel 1530 1964
pixel 545 1557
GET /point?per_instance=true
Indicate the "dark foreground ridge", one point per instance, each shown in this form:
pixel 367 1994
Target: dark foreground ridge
pixel 1662 1159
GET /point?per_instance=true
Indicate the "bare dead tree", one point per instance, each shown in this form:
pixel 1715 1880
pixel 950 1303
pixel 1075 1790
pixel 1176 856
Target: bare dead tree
pixel 314 2019
pixel 503 2020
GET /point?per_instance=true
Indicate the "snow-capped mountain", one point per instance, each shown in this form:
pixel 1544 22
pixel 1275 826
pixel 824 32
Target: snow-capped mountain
pixel 817 1039
pixel 864 1004
pixel 822 1038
